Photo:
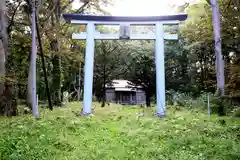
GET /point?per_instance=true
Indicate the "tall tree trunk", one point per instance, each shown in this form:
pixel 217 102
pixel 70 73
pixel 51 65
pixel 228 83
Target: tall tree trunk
pixel 104 75
pixel 2 77
pixel 8 102
pixel 218 47
pixel 148 99
pixel 79 82
pixel 2 48
pixel 44 66
pixel 2 68
pixel 33 62
pixel 104 85
pixel 56 61
pixel 56 81
pixel 29 85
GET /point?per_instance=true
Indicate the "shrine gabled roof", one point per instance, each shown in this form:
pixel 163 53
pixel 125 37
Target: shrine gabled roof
pixel 81 17
pixel 120 83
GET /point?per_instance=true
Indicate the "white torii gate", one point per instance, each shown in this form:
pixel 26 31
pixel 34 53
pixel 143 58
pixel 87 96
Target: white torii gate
pixel 90 35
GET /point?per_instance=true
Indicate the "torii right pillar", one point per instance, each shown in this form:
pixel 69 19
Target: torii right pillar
pixel 160 70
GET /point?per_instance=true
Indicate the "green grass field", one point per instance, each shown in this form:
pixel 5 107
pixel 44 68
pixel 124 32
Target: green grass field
pixel 114 132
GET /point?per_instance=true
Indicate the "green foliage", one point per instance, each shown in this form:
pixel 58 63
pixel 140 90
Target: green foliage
pixel 189 62
pixel 236 113
pixel 221 105
pixel 186 100
pixel 218 105
pixel 142 67
pixel 110 63
pixel 62 55
pixel 116 133
pixel 198 40
pixel 56 80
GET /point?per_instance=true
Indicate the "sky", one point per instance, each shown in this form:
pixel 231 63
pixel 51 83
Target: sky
pixel 140 7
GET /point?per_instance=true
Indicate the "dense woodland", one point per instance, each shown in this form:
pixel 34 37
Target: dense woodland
pixel 189 62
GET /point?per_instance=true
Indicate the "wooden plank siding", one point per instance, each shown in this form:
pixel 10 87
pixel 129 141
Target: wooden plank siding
pixel 125 97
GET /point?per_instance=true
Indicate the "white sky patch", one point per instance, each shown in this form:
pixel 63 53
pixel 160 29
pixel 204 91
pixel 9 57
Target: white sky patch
pixel 140 7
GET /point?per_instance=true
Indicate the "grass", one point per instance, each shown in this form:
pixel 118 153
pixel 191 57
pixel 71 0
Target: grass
pixel 114 132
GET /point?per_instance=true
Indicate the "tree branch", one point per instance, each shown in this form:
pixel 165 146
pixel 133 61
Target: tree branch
pixel 12 18
pixel 116 47
pixel 64 7
pixel 80 10
pixel 229 3
pixel 51 12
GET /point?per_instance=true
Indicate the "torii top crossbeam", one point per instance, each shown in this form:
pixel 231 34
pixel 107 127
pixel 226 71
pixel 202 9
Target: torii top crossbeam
pixel 84 19
pixel 81 17
pixel 123 21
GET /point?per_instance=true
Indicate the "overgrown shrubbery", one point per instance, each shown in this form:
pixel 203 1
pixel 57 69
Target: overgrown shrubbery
pixel 61 135
pixel 236 112
pixel 185 99
pixel 219 105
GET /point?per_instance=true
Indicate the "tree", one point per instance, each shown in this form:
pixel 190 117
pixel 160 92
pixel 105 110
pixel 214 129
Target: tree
pixel 8 100
pixel 218 47
pixel 109 64
pixel 142 70
pixel 55 32
pixel 198 43
pixel 3 27
pixel 15 59
pixel 56 59
pixel 198 40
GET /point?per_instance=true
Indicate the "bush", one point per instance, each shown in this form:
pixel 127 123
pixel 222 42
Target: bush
pixel 185 99
pixel 236 112
pixel 221 105
pixel 218 104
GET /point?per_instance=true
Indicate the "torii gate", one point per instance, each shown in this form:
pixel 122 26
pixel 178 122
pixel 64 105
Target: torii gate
pixel 90 35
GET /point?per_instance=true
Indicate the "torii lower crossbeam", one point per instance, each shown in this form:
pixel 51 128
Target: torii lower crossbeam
pixel 91 35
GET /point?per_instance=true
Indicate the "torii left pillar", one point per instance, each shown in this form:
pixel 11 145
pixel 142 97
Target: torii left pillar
pixel 89 64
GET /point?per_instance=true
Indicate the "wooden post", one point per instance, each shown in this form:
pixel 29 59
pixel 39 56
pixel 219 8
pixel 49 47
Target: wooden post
pixel 208 103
